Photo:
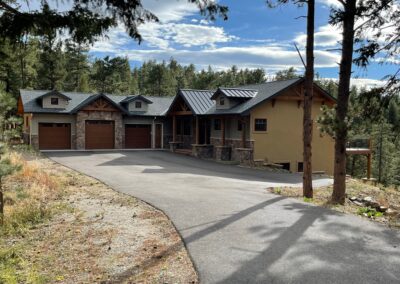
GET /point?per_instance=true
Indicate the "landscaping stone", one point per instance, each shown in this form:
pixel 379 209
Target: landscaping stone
pixel 383 208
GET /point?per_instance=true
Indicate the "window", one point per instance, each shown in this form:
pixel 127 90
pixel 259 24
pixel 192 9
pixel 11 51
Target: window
pixel 138 104
pixel 54 101
pixel 27 121
pixel 285 166
pixel 300 167
pixel 221 101
pixel 217 124
pixel 260 124
pixel 240 125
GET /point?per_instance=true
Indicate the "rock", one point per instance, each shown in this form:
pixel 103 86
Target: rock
pixel 391 212
pixel 382 208
pixel 353 198
pixel 367 199
pixel 358 203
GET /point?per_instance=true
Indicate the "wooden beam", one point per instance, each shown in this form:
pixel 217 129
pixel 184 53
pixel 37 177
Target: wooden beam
pixel 295 98
pixel 205 130
pixel 182 112
pixel 197 130
pixel 174 128
pixel 222 131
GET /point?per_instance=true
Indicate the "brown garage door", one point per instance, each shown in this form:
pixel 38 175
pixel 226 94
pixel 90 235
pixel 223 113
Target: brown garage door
pixel 99 134
pixel 137 136
pixel 54 136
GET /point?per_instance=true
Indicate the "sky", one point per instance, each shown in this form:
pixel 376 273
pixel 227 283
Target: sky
pixel 254 36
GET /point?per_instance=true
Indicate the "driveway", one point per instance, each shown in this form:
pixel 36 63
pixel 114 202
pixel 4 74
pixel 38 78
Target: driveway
pixel 237 232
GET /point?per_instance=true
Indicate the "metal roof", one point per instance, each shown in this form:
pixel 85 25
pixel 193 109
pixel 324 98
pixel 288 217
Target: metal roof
pixel 29 98
pixel 199 101
pixel 236 93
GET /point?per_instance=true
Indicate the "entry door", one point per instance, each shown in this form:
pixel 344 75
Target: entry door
pixel 158 136
pixel 99 134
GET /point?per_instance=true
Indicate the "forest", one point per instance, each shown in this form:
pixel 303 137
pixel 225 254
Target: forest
pixel 45 63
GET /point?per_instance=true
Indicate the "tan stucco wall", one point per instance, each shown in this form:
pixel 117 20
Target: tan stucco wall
pixel 52 118
pixel 283 140
pixel 62 103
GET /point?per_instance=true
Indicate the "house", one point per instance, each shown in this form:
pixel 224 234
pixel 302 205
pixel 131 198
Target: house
pixel 253 122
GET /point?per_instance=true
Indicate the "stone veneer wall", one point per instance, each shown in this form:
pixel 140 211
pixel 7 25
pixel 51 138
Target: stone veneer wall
pixel 82 116
pixel 234 143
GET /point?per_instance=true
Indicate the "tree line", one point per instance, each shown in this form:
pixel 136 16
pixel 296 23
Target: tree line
pixel 45 64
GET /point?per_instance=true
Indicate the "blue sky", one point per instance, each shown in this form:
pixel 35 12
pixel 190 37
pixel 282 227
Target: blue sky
pixel 254 36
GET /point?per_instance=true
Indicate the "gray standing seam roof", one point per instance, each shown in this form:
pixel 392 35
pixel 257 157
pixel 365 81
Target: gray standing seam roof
pixel 238 92
pixel 198 100
pixel 158 107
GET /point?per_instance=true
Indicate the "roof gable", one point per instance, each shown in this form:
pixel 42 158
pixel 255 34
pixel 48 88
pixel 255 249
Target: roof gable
pixel 99 102
pixel 198 101
pixel 136 98
pixel 54 93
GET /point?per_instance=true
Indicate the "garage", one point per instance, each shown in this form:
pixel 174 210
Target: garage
pixel 137 136
pixel 99 134
pixel 54 136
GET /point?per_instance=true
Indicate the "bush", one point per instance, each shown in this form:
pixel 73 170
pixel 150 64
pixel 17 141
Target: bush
pixel 369 212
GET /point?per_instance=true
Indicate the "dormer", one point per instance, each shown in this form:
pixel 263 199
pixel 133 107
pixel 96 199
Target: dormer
pixel 226 98
pixel 54 100
pixel 136 103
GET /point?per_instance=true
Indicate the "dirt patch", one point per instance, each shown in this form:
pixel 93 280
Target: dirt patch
pixel 386 197
pixel 102 236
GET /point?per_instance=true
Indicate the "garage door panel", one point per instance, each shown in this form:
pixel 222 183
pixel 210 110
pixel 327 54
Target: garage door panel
pixel 54 136
pixel 137 136
pixel 99 134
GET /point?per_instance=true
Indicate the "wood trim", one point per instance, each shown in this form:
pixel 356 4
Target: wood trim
pixel 182 112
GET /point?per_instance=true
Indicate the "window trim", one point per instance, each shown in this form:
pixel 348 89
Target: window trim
pixel 138 104
pixel 54 101
pixel 266 125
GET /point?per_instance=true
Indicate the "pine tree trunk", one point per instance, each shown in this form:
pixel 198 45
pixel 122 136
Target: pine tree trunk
pixel 1 204
pixel 339 185
pixel 308 100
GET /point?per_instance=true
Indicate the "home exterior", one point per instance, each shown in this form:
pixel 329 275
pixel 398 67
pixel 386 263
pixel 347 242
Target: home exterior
pixel 64 120
pixel 261 122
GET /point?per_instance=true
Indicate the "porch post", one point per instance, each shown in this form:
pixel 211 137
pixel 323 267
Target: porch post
pixel 369 158
pixel 205 130
pixel 174 128
pixel 197 130
pixel 243 133
pixel 223 131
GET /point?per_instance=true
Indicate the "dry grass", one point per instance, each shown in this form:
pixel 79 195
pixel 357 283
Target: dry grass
pixel 386 196
pixel 86 231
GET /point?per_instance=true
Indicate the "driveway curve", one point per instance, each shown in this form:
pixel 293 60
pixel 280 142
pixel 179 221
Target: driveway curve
pixel 237 232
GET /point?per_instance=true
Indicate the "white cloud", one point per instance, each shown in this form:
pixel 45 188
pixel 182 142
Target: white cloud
pixel 326 36
pixel 170 10
pixel 365 83
pixel 267 57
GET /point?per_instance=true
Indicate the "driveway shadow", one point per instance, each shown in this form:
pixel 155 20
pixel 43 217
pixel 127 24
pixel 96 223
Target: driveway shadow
pixel 168 163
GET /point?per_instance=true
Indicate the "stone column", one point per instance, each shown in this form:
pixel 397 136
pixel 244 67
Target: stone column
pixel 223 153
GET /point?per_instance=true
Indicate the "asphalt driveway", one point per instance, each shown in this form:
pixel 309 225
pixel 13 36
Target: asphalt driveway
pixel 237 232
